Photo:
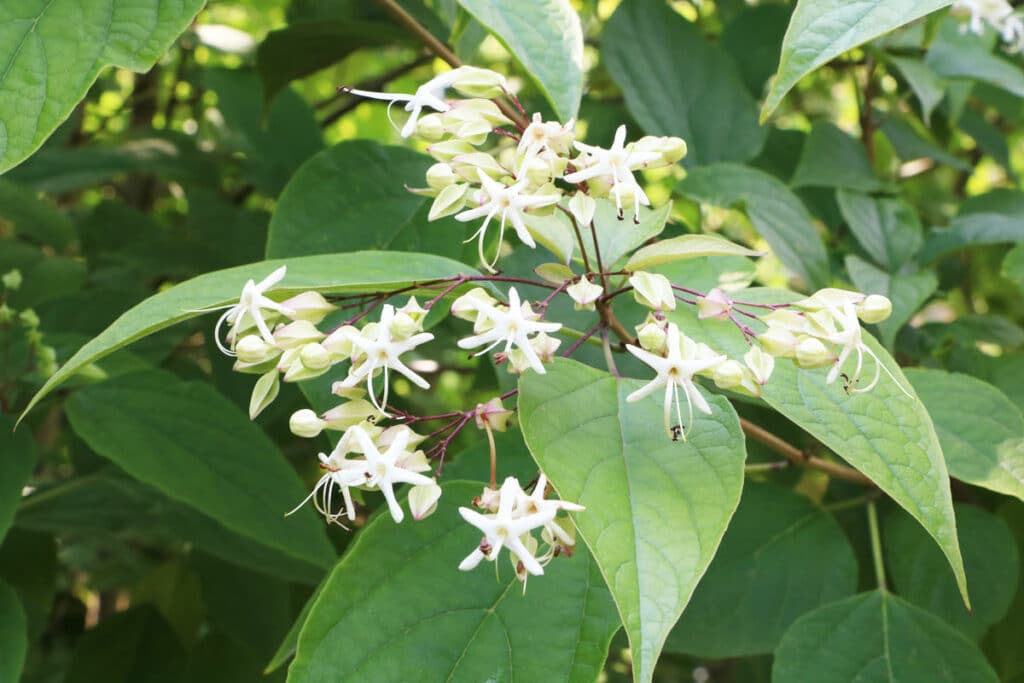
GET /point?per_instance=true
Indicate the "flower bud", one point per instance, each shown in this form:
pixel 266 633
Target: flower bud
pixel 811 353
pixel 11 279
pixel 671 149
pixel 538 171
pixel 310 306
pixel 468 167
pixel 296 334
pixel 582 207
pixel 715 305
pixel 652 337
pixel 28 318
pixel 875 309
pixel 339 343
pixel 315 357
pixel 761 364
pixel 728 374
pixel 467 306
pixel 488 499
pixel 387 437
pixel 440 176
pixel 472 81
pixel 830 296
pixel 423 500
pixel 430 127
pixel 306 424
pixel 584 293
pixel 653 291
pixel 7 314
pixel 251 349
pixel 448 201
pixel 493 414
pixel 348 414
pixel 449 149
pixel 263 393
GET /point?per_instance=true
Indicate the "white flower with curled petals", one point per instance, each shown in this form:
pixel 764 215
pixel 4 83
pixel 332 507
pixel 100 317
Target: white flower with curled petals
pixel 381 470
pixel 430 94
pixel 676 371
pixel 334 477
pixel 509 202
pixel 505 528
pixel 618 164
pixel 380 350
pixel 512 325
pixel 251 304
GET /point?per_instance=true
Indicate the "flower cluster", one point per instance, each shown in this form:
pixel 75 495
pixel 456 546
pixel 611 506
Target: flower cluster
pixel 998 14
pixel 508 182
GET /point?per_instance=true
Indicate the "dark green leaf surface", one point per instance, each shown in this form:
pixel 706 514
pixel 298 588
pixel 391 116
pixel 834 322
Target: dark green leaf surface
pixel 888 229
pixel 679 84
pixel 781 557
pixel 197 447
pixel 17 458
pixel 546 38
pixel 328 273
pixel 831 158
pixel 397 608
pixel 775 211
pixel 980 429
pixel 877 637
pixel 30 216
pixel 656 508
pixel 921 575
pixel 13 638
pixel 136 646
pixel 53 50
pixel 961 54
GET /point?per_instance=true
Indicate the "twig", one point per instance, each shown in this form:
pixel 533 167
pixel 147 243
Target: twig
pixel 798 457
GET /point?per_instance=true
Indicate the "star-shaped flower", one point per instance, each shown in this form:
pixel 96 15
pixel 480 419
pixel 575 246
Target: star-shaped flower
pixel 380 350
pixel 335 476
pixel 684 360
pixel 512 325
pixel 252 303
pixel 382 470
pixel 536 502
pixel 430 94
pixel 510 201
pixel 617 163
pixel 505 528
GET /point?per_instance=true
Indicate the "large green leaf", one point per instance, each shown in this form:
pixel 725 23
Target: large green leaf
pixel 775 211
pixel 821 30
pixel 546 38
pixel 885 433
pixel 781 557
pixel 137 646
pixel 831 158
pixel 615 237
pixel 960 54
pixel 928 86
pixel 53 50
pixel 908 292
pixel 980 429
pixel 13 638
pixel 920 573
pixel 397 608
pixel 17 458
pixel 877 638
pixel 352 196
pixel 29 216
pixel 969 229
pixel 199 448
pixel 360 271
pixel 656 508
pixel 680 84
pixel 887 228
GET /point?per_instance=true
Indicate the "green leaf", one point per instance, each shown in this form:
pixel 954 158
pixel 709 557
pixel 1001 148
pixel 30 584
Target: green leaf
pixel 921 575
pixel 615 237
pixel 28 564
pixel 546 38
pixel 53 50
pixel 911 140
pixel 821 30
pixel 958 54
pixel 656 508
pixel 680 84
pixel 831 158
pixel 979 428
pixel 781 557
pixel 305 47
pixel 354 194
pixel 197 447
pixel 136 646
pixel 927 85
pixel 286 650
pixel 877 637
pixel 17 458
pixel 775 211
pixel 884 433
pixel 327 273
pixel 28 215
pixel 887 228
pixel 685 247
pixel 1013 265
pixel 396 608
pixel 13 638
pixel 969 229
pixel 907 292
pixel 754 40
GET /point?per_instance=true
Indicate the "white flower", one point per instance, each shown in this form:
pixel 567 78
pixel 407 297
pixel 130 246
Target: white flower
pixel 685 359
pixel 618 163
pixel 536 502
pixel 322 494
pixel 540 134
pixel 505 528
pixel 430 94
pixel 382 470
pixel 251 304
pixel 508 200
pixel 378 350
pixel 584 293
pixel 511 325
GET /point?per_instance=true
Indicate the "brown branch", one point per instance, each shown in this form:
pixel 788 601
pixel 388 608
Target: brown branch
pixel 799 457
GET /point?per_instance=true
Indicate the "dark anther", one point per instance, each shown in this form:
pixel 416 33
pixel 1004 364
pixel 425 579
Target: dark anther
pixel 677 432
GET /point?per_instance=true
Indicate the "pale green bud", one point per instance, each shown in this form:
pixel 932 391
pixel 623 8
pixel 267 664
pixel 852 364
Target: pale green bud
pixel 545 346
pixel 472 81
pixel 811 353
pixel 11 279
pixel 440 176
pixel 28 318
pixel 653 338
pixel 761 364
pixel 875 309
pixel 7 314
pixel 315 357
pixel 715 305
pixel 339 342
pixel 310 307
pixel 430 127
pixel 466 166
pixel 449 149
pixel 423 500
pixel 582 207
pixel 306 424
pixel 671 149
pixel 348 414
pixel 728 374
pixel 251 349
pixel 448 201
pixel 263 393
pixel 297 334
pixel 467 306
pixel 584 293
pixel 653 291
pixel 493 413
